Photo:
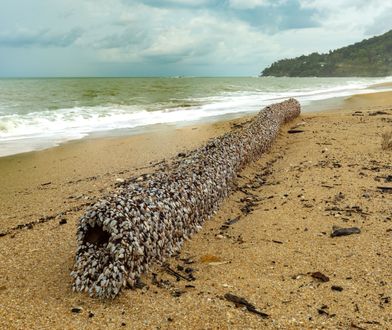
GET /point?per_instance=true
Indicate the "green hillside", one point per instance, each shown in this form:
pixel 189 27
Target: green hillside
pixel 368 58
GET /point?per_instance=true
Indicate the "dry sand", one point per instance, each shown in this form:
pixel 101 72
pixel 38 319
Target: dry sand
pixel 287 201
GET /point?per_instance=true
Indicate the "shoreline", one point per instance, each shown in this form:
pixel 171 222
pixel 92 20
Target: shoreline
pixel 265 257
pixel 326 105
pixel 63 127
pixel 124 133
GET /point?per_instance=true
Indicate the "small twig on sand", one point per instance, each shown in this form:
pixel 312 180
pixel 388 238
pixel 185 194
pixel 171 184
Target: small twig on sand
pixel 239 301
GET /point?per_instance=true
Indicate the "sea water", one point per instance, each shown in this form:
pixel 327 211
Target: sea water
pixel 41 113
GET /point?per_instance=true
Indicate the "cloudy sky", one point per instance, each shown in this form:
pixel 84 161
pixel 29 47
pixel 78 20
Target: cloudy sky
pixel 176 37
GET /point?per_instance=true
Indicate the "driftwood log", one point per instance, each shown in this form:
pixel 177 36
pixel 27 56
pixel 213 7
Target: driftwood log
pixel 146 219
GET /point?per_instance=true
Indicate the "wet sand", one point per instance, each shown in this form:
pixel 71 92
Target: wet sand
pixel 287 203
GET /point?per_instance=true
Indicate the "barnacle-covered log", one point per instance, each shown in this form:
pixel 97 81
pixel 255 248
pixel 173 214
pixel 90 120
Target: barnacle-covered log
pixel 147 219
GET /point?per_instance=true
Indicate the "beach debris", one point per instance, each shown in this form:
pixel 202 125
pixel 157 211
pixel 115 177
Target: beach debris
pixel 295 131
pixel 320 276
pixel 177 293
pixel 378 113
pixel 336 288
pixel 62 221
pixel 372 322
pixel 146 219
pixel 76 309
pixel 242 302
pixel 385 189
pixel 229 222
pixel 297 276
pixel 336 231
pixel 384 299
pixel 179 276
pixel 218 263
pixel 41 220
pixel 250 202
pixel 347 211
pixel 323 310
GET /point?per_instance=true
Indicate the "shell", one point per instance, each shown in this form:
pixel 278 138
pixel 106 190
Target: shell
pixel 146 219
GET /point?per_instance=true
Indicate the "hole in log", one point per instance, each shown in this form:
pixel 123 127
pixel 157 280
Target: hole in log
pixel 96 236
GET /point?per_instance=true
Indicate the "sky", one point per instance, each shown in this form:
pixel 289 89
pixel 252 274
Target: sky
pixel 176 37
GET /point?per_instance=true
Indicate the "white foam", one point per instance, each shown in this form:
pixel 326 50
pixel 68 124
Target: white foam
pixel 38 130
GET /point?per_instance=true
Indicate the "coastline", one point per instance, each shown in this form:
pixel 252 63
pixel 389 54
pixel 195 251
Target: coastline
pixel 110 107
pixel 59 182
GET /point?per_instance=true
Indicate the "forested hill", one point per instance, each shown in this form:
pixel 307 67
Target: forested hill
pixel 368 58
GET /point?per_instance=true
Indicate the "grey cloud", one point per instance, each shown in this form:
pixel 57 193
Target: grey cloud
pixel 164 58
pixel 178 3
pixel 128 37
pixel 183 36
pixel 201 50
pixel 42 38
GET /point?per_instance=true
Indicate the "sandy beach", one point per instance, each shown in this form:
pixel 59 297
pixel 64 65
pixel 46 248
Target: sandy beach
pixel 269 243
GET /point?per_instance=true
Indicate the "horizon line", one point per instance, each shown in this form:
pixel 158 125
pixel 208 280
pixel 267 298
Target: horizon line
pixel 125 77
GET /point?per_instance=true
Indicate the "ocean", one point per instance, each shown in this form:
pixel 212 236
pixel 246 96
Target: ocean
pixel 41 113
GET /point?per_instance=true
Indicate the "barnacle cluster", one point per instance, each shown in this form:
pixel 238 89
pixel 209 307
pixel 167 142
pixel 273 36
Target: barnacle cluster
pixel 146 219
